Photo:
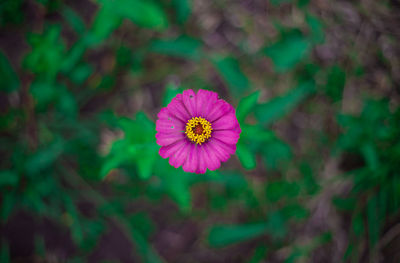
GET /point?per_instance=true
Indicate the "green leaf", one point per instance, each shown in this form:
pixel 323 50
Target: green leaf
pixel 231 73
pixel 357 224
pixel 39 246
pixel 105 22
pixel 113 162
pixel 11 12
pixel 143 13
pixel 246 105
pixel 44 158
pixel 246 158
pixel 93 229
pixel 144 248
pixel 141 130
pixel 8 205
pixel 278 107
pixel 175 182
pixel 373 221
pixel 80 73
pixel 182 9
pixel 288 51
pixel 345 204
pixel 124 56
pixel 8 78
pixel 143 223
pixel 67 104
pixel 74 55
pixel 278 2
pixel 295 211
pixel 280 189
pixel 260 253
pixel 145 160
pixel 184 47
pixel 276 225
pixel 276 154
pixel 223 235
pixel 303 3
pixel 107 82
pixel 370 155
pixel 336 81
pixel 4 252
pixel 47 53
pixel 137 147
pixel 8 178
pixel 310 182
pixel 75 222
pixel 74 20
pixel 43 93
pixel 317 30
pixel 230 180
pixel 257 134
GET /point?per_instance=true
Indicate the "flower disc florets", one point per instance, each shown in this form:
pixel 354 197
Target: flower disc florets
pixel 198 130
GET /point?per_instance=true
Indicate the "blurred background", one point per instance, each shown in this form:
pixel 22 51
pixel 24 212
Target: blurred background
pixel 315 84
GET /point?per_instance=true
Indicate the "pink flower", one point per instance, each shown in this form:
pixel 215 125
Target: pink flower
pixel 197 131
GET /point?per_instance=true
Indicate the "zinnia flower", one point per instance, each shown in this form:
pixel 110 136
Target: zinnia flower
pixel 197 131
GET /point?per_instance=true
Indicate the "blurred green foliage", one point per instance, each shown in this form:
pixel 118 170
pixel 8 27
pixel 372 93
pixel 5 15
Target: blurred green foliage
pixel 78 125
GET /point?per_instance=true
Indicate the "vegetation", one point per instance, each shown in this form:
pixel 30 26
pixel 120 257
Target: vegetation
pixel 315 85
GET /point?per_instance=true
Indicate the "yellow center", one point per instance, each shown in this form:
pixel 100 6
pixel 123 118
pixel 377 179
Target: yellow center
pixel 198 130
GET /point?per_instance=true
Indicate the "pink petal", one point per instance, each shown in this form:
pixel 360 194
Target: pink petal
pixel 177 107
pixel 221 149
pixel 169 150
pixel 225 122
pixel 205 99
pixel 189 100
pixel 226 136
pixel 167 126
pixel 230 148
pixel 220 153
pixel 179 157
pixel 219 109
pixel 237 129
pixel 202 165
pixel 192 160
pixel 164 139
pixel 210 159
pixel 165 114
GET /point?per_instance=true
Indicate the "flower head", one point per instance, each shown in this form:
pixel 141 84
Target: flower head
pixel 197 131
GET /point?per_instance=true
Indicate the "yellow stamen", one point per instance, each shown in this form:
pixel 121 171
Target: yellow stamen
pixel 198 130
